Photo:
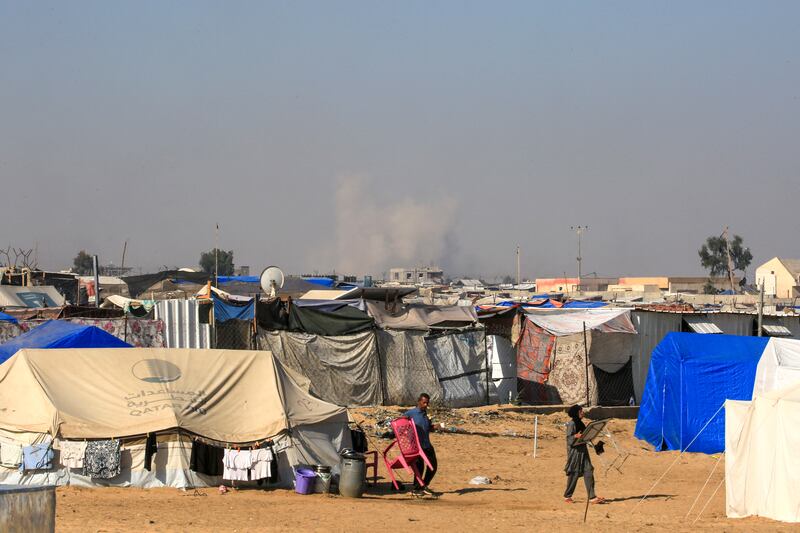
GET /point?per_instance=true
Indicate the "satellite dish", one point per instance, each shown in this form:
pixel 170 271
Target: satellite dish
pixel 271 280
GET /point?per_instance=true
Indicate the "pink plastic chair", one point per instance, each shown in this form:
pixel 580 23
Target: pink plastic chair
pixel 407 441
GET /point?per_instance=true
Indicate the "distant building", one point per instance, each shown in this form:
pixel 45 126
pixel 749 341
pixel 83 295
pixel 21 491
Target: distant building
pixel 780 277
pixel 658 283
pixel 551 285
pixel 596 284
pixel 432 275
pixel 468 284
pixel 697 285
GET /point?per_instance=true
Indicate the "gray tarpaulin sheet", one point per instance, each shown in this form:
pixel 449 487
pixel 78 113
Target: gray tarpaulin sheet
pixel 421 317
pixel 343 369
pixel 407 370
pixel 460 363
pixel 568 322
pixel 610 352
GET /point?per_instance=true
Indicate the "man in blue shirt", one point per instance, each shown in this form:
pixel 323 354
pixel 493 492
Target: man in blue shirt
pixel 419 415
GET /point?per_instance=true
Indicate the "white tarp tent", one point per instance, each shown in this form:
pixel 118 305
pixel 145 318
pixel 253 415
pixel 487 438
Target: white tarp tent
pixel 761 443
pixel 779 366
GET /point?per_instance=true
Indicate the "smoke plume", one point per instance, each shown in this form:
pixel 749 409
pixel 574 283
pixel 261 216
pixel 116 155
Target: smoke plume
pixel 372 237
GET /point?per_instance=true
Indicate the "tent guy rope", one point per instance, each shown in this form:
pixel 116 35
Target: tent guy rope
pixel 704 485
pixel 650 491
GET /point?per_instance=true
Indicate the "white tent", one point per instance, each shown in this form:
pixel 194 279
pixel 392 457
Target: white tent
pixel 779 366
pixel 761 443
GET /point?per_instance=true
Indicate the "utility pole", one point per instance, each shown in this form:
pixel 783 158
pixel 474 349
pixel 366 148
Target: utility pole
pixel 730 261
pixel 216 257
pixel 579 230
pixel 518 281
pixel 124 249
pixel 96 272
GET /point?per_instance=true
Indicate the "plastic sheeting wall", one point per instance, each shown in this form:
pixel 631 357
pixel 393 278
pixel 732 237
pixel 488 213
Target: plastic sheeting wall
pixel 406 368
pixel 182 327
pixel 343 369
pixel 461 366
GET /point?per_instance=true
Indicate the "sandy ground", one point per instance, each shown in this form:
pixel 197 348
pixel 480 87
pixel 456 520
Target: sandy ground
pixel 526 492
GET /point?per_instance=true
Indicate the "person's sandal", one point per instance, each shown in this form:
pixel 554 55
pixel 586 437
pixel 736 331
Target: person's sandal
pixel 569 500
pixel 598 500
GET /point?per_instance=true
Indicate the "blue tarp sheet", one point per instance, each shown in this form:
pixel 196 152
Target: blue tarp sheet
pixel 547 303
pixel 583 304
pixel 241 279
pixel 60 334
pixel 690 377
pixel 7 318
pixel 325 282
pixel 224 311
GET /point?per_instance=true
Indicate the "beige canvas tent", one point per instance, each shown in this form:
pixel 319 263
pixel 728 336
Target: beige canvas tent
pixel 222 396
pixel 761 442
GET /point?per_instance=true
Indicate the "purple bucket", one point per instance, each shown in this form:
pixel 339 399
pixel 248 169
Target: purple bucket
pixel 304 480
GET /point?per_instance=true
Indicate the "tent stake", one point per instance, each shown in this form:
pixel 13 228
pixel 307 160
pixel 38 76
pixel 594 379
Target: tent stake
pixel 535 435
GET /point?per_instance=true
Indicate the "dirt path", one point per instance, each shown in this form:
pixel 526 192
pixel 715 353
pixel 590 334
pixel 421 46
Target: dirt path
pixel 526 493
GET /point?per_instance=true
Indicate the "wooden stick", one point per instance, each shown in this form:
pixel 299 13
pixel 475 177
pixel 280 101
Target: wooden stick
pixel 586 510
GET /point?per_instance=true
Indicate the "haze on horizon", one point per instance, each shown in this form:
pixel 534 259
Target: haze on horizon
pixel 358 136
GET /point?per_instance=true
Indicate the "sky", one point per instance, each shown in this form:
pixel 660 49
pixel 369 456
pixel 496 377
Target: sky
pixel 357 136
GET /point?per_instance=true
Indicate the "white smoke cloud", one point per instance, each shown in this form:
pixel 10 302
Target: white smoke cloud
pixel 371 237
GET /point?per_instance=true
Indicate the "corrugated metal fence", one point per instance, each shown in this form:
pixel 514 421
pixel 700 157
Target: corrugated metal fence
pixel 182 327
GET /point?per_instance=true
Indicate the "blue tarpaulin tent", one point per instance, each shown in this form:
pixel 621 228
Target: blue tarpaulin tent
pixel 690 377
pixel 60 334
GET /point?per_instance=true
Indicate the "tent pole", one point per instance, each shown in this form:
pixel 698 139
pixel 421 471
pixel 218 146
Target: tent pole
pixel 381 379
pixel 760 308
pixel 254 343
pixel 586 358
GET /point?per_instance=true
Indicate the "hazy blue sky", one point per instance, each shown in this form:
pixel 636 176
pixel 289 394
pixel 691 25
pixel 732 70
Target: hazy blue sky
pixel 360 135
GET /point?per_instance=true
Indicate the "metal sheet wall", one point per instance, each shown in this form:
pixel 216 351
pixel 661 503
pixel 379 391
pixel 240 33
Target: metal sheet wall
pixel 651 328
pixel 792 323
pixel 733 323
pixel 182 327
